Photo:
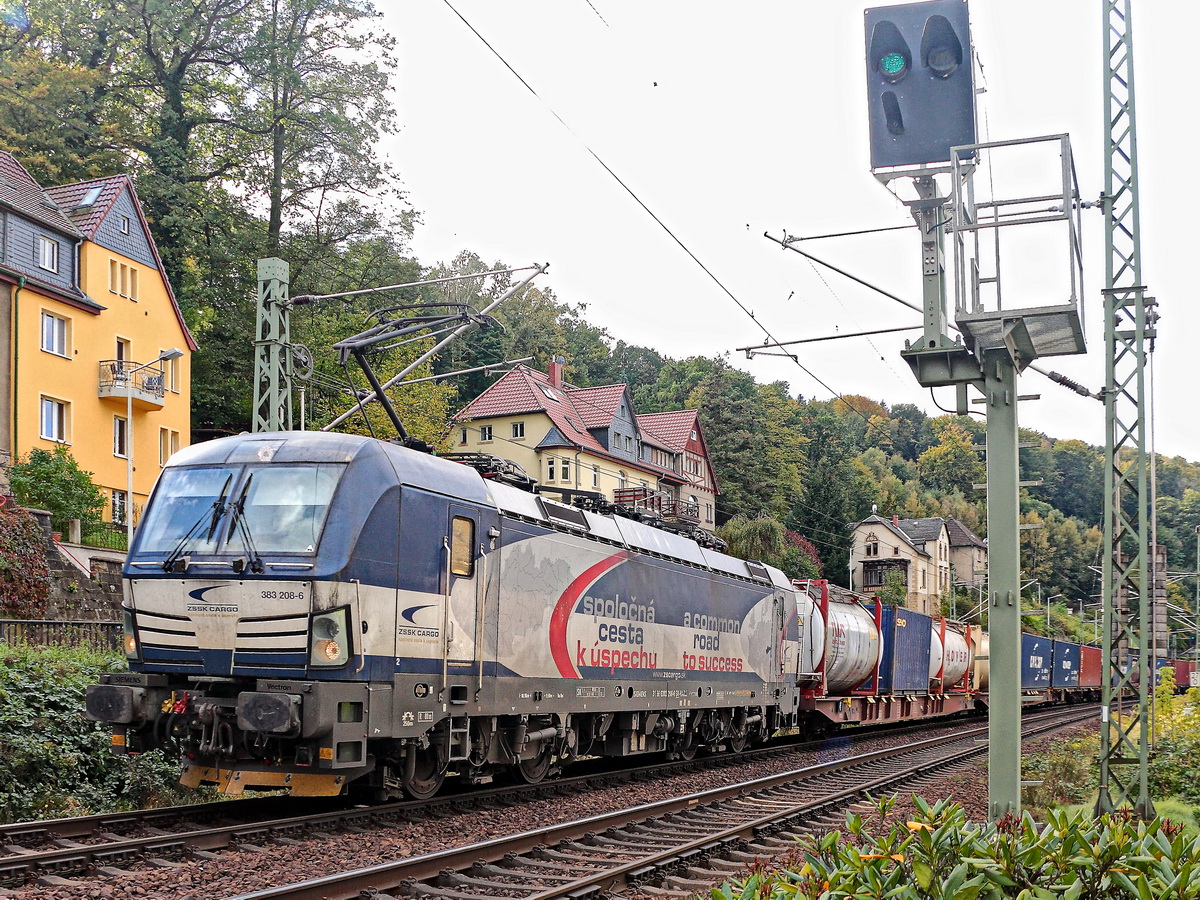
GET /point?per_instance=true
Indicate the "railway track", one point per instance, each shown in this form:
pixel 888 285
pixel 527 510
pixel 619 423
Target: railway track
pixel 51 850
pixel 629 850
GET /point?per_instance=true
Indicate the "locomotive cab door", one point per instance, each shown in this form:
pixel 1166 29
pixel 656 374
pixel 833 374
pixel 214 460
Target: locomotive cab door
pixel 465 583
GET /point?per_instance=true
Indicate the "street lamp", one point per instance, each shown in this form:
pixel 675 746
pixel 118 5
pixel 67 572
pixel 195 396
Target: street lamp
pixel 173 353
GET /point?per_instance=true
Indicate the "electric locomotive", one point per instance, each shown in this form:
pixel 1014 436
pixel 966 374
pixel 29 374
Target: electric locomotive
pixel 311 611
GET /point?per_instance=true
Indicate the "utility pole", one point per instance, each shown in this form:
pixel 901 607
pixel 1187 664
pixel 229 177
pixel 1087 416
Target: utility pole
pixel 923 130
pixel 273 349
pixel 1129 332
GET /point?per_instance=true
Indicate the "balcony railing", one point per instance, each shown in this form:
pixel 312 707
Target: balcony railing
pixel 658 502
pixel 147 386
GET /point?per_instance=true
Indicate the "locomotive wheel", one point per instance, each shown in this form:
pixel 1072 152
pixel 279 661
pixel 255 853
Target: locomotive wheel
pixel 738 742
pixel 423 772
pixel 534 769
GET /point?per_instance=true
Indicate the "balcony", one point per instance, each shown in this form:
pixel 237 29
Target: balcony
pixel 659 503
pixel 121 378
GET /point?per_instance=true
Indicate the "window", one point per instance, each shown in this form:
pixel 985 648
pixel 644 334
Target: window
pixel 122 279
pixel 54 334
pixel 595 476
pixel 694 435
pixel 48 254
pixel 122 350
pixel 873 548
pixel 922 579
pixel 485 432
pixel 172 372
pixel 566 470
pixel 518 430
pixel 550 469
pixel 168 445
pixel 462 544
pixel 462 436
pixel 124 224
pixel 708 512
pixel 53 420
pixel 120 436
pixel 119 506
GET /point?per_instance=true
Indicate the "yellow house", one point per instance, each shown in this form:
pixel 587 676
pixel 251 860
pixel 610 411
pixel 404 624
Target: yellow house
pixel 88 315
pixel 576 440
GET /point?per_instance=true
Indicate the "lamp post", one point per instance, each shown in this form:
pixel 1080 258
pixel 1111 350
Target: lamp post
pixel 173 353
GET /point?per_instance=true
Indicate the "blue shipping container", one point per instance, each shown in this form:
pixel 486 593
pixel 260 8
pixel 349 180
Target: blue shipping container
pixel 1037 655
pixel 1066 665
pixel 904 668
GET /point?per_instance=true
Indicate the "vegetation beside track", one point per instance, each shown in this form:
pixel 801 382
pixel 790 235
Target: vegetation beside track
pixel 53 761
pixel 939 854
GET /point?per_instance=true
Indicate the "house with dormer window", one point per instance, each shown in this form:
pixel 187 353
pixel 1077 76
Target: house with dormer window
pixel 923 551
pixel 84 303
pixel 570 438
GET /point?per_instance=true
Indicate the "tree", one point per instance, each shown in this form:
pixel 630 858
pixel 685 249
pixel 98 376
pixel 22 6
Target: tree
pixel 766 540
pixel 951 464
pixel 52 480
pixel 838 491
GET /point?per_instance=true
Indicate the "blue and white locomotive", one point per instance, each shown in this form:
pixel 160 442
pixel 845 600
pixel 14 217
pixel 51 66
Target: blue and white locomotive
pixel 308 610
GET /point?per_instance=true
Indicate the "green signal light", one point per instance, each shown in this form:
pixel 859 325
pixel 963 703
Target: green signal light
pixel 893 65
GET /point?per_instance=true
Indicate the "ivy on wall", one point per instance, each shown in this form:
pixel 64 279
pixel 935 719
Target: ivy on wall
pixel 24 569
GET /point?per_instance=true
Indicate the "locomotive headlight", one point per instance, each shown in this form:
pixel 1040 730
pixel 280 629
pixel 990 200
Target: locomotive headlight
pixel 129 635
pixel 327 651
pixel 330 638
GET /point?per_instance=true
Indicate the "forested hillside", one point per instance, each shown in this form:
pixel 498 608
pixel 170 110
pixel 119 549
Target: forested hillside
pixel 250 128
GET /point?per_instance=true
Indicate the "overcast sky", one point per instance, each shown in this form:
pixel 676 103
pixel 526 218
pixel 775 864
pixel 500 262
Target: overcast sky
pixel 731 120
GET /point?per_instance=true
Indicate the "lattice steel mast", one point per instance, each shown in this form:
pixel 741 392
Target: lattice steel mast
pixel 1129 332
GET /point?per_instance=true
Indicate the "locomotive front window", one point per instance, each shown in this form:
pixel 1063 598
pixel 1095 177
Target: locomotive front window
pixel 285 506
pixel 188 504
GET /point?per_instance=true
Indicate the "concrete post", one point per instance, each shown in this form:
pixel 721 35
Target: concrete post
pixel 1004 585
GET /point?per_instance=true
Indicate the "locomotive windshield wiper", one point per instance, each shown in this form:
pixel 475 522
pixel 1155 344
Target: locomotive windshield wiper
pixel 243 530
pixel 213 517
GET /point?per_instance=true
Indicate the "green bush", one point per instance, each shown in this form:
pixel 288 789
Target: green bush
pixel 52 480
pixel 939 855
pixel 53 761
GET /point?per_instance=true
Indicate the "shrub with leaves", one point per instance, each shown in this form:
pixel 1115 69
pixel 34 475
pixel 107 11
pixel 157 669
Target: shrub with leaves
pixel 52 480
pixel 24 571
pixel 939 855
pixel 53 761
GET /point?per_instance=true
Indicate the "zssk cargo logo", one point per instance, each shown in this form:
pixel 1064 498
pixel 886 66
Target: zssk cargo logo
pixel 417 632
pixel 205 604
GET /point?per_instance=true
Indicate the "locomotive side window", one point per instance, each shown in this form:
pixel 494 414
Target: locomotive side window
pixel 462 546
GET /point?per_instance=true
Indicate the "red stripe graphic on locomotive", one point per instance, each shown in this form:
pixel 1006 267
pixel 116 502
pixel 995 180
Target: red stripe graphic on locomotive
pixel 566 605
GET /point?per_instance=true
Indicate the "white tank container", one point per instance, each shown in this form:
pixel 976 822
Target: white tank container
pixel 852 646
pixel 956 655
pixel 980 640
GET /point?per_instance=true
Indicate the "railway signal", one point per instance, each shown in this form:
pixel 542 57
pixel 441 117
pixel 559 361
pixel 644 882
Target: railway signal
pixel 920 82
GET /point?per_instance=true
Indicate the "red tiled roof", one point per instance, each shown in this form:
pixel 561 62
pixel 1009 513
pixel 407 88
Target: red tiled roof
pixel 20 192
pixel 88 218
pixel 673 428
pixel 598 405
pixel 572 410
pixel 524 390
